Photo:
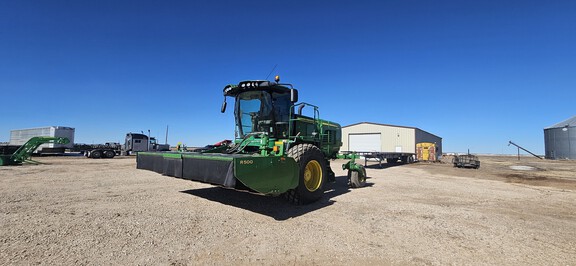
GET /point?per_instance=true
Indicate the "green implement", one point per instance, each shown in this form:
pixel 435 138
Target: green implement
pixel 277 151
pixel 25 151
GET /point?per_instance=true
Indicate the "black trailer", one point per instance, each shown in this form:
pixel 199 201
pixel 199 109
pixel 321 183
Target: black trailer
pixel 466 161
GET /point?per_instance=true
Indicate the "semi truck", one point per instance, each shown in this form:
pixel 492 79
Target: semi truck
pixel 134 142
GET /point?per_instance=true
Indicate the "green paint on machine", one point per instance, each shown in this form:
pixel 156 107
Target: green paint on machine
pixel 267 175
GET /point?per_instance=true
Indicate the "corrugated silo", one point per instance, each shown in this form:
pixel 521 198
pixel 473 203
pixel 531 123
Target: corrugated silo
pixel 560 140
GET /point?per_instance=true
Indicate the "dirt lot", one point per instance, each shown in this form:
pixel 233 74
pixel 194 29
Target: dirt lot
pixel 74 210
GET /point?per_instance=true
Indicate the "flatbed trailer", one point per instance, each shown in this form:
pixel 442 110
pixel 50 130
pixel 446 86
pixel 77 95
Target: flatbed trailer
pixel 108 150
pixel 390 157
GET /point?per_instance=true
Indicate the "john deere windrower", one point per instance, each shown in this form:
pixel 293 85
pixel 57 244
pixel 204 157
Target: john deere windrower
pixel 277 150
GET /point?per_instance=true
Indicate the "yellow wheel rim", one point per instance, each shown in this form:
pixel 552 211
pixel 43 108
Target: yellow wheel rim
pixel 313 175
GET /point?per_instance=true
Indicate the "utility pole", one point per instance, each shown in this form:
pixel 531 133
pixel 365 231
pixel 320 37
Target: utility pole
pixel 166 140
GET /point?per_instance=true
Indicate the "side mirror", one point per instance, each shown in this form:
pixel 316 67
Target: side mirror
pixel 223 108
pixel 293 95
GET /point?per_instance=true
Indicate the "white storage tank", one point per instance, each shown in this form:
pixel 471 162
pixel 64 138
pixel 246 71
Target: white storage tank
pixel 560 140
pixel 21 136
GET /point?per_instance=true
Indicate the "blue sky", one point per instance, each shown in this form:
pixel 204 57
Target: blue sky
pixel 476 73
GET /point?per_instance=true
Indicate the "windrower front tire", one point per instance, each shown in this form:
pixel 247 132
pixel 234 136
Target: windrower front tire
pixel 312 174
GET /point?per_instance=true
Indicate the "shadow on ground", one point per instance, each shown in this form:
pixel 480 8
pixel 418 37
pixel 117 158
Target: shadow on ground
pixel 376 165
pixel 275 207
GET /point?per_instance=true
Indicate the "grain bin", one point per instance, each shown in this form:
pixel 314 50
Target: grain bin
pixel 560 140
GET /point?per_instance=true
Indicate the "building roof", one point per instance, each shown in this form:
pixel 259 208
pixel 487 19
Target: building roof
pixel 570 122
pixel 378 124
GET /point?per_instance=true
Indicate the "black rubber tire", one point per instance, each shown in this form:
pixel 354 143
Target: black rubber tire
pixel 392 160
pixel 96 154
pixel 109 154
pixel 357 181
pixel 304 154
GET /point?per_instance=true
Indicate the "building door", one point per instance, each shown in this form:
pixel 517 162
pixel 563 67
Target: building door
pixel 365 142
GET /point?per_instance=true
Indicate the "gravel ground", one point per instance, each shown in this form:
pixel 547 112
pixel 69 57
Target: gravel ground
pixel 73 210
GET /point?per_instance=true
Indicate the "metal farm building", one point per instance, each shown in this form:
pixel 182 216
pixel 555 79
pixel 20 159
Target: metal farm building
pixel 560 140
pixel 373 137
